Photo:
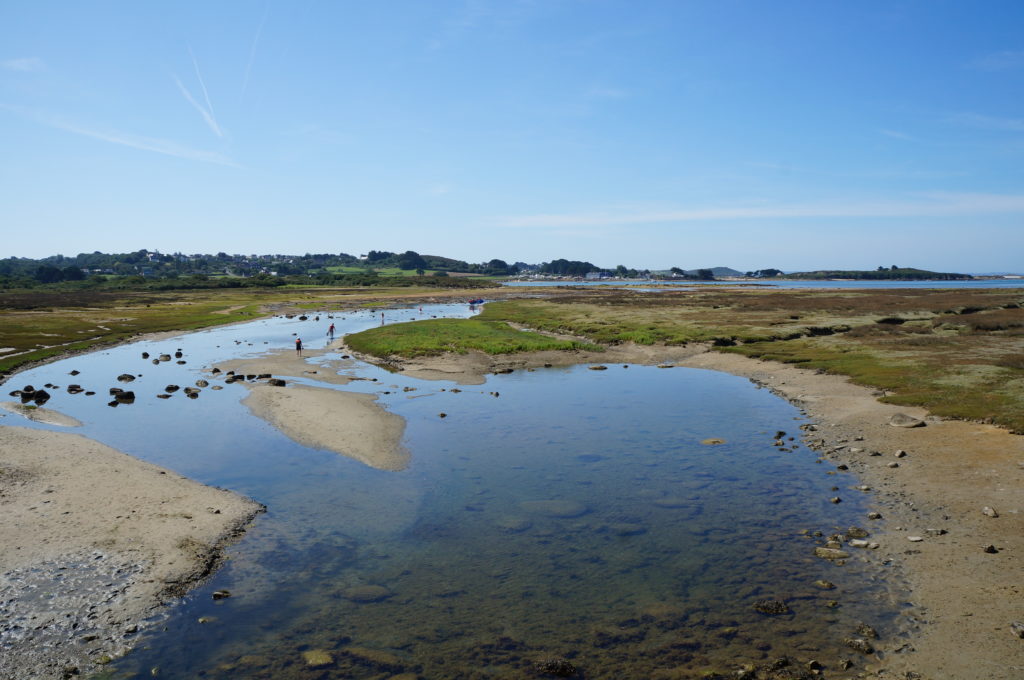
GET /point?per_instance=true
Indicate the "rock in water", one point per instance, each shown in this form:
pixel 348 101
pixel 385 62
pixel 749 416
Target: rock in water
pixel 903 420
pixel 771 607
pixel 560 668
pixel 713 441
pixel 831 553
pixel 556 508
pixel 364 594
pixel 317 658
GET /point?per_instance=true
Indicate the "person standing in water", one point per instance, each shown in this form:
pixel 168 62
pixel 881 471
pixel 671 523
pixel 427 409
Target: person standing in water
pixel 330 332
pixel 298 346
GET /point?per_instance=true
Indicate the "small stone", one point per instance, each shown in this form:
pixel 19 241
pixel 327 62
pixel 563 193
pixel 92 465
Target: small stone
pixel 990 549
pixel 903 420
pixel 221 594
pixel 874 515
pixel 858 543
pixel 864 487
pixel 857 532
pixel 824 585
pixel 989 511
pixel 893 465
pixel 859 645
pixel 835 499
pixel 1017 628
pixel 900 453
pixel 914 539
pixel 831 553
pixel 713 441
pixel 442 415
pixel 866 631
pixel 598 367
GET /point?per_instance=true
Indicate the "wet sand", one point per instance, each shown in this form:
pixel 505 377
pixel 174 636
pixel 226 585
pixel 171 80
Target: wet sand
pixel 963 599
pixel 108 538
pixel 348 423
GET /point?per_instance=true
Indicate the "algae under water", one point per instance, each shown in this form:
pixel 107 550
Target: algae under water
pixel 553 514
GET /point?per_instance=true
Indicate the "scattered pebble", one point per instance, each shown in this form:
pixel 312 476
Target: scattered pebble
pixel 990 549
pixel 915 539
pixel 989 511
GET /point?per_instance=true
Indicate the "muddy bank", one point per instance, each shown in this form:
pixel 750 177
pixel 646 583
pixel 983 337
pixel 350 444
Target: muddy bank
pixel 472 368
pixel 94 542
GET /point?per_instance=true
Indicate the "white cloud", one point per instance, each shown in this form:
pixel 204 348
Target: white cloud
pixel 925 205
pixel 25 64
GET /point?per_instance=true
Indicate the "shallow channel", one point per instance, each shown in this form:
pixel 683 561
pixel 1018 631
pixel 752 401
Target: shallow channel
pixel 553 514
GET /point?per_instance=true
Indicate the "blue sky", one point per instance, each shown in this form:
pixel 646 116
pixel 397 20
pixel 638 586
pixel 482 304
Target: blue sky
pixel 652 134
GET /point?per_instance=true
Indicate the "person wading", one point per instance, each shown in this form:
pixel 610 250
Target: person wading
pixel 330 332
pixel 298 346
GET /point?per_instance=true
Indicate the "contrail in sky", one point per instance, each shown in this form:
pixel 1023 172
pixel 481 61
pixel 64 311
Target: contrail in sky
pixel 208 113
pixel 252 50
pixel 207 116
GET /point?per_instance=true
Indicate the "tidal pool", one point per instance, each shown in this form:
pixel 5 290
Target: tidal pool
pixel 552 514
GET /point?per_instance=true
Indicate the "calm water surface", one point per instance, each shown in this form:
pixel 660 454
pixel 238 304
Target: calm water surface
pixel 555 513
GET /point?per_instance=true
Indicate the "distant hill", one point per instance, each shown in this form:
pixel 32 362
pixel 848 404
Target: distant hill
pixel 881 274
pixel 717 271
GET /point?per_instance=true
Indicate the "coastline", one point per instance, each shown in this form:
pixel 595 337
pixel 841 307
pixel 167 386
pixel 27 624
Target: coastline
pixel 107 537
pixel 963 599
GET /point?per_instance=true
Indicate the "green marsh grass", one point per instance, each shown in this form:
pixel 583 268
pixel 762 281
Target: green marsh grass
pixel 432 337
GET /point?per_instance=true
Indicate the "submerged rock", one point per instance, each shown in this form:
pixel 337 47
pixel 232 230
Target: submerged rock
pixel 368 593
pixel 771 607
pixel 556 508
pixel 712 441
pixel 560 668
pixel 831 553
pixel 317 658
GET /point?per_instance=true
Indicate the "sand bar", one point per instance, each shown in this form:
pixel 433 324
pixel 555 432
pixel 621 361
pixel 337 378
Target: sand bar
pixel 41 415
pixel 107 537
pixel 348 423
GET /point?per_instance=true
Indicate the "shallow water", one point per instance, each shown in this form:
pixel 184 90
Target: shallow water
pixel 575 515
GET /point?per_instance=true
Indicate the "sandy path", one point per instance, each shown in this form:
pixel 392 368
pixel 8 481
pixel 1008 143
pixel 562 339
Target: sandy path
pixel 107 537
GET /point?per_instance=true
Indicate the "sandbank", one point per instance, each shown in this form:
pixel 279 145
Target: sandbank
pixel 107 537
pixel 41 415
pixel 348 423
pixel 288 363
pixel 472 367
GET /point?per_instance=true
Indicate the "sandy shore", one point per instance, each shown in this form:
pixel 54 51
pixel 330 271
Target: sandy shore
pixel 94 542
pixel 963 599
pixel 348 423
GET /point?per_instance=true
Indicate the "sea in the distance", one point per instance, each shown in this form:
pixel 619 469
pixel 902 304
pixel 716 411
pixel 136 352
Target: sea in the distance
pixel 556 516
